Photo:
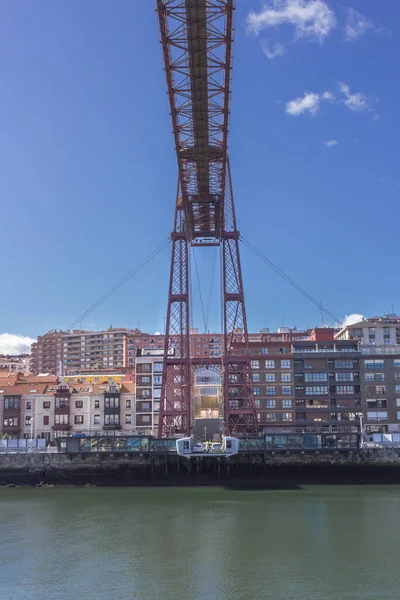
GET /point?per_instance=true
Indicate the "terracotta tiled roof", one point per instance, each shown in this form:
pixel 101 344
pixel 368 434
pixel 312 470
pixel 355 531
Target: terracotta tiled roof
pixel 42 378
pixel 23 389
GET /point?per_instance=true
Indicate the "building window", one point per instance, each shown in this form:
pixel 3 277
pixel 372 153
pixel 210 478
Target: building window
pixel 381 415
pixel 255 364
pixel 97 403
pixel 316 390
pixel 286 390
pixel 46 404
pixel 397 389
pixel 128 403
pixel 145 393
pixel 145 380
pixel 270 364
pixel 344 377
pixel 157 379
pixel 128 419
pixel 270 404
pixel 61 420
pixel 270 390
pixel 111 419
pixel 145 367
pixel 264 350
pixel 257 403
pixel 111 402
pixel 28 421
pixel 11 403
pixel 28 405
pixel 287 416
pixel 79 404
pixel 96 419
pixel 113 389
pixel 256 390
pixel 78 419
pixel 286 377
pixel 286 404
pixel 270 416
pixel 396 363
pixel 157 367
pixel 345 389
pixel 343 364
pixel 315 377
pixel 256 377
pixel 374 364
pixel 285 364
pixel 46 420
pixel 269 377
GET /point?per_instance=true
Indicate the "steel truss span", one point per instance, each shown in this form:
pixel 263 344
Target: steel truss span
pixel 196 39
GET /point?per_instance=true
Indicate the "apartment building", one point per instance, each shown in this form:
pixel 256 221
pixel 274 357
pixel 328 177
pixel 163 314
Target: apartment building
pixel 375 331
pixel 327 383
pixel 47 353
pixel 82 351
pixel 49 410
pixel 149 368
pixel 273 384
pixel 20 363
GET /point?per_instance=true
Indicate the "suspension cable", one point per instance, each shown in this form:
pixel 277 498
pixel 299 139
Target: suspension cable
pixel 211 287
pixel 120 283
pixel 288 279
pixel 200 294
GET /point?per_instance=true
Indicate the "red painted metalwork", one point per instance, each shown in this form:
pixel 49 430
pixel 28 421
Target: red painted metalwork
pixel 196 38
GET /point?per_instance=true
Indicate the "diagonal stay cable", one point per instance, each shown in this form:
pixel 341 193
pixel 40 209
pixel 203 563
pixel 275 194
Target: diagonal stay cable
pixel 120 283
pixel 288 279
pixel 200 294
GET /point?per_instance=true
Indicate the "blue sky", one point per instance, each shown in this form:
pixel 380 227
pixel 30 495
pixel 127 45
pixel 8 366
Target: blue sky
pixel 88 170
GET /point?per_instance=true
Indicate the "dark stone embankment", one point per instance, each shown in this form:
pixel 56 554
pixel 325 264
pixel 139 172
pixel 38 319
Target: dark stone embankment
pixel 244 471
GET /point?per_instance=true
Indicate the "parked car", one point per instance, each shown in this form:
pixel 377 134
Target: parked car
pixel 216 447
pixel 197 447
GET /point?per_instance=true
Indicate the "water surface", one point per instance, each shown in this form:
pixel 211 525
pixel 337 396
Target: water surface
pixel 325 543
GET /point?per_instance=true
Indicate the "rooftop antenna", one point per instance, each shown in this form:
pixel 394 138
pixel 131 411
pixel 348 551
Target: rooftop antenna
pixel 322 314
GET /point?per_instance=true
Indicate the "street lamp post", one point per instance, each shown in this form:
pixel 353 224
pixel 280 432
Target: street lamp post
pixel 361 430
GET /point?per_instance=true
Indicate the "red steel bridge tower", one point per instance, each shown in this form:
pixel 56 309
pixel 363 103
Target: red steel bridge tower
pixel 197 39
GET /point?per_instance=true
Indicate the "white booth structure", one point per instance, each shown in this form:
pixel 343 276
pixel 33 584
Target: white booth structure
pixel 189 447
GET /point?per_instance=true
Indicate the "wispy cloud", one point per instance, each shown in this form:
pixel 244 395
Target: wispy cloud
pixel 15 344
pixel 357 102
pixel 330 143
pixel 273 51
pixel 352 319
pixel 310 18
pixel 307 103
pixel 356 24
pixel 383 31
pixel 310 102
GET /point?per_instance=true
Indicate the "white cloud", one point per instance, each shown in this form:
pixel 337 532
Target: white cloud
pixel 310 18
pixel 383 31
pixel 15 344
pixel 308 103
pixel 352 319
pixel 311 101
pixel 273 51
pixel 330 143
pixel 356 24
pixel 357 102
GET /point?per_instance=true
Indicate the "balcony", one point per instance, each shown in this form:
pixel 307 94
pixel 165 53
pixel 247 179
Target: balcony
pixel 11 429
pixel 111 427
pixel 61 427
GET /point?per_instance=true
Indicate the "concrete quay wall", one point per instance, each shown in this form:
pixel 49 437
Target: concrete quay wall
pixel 258 470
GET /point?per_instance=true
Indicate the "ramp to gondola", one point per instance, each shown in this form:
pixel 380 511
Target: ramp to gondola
pixel 208 427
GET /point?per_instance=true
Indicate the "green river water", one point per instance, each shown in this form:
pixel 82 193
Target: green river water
pixel 315 543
